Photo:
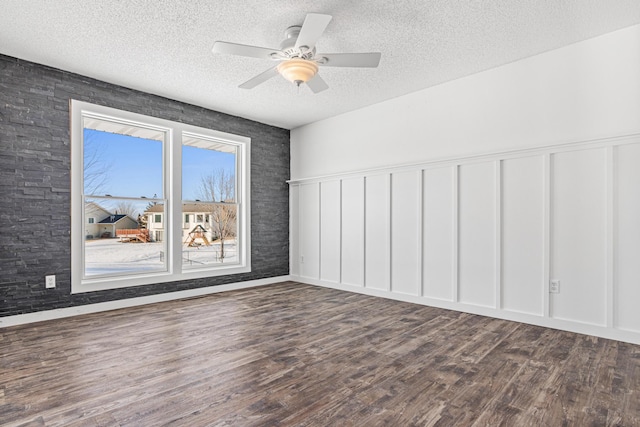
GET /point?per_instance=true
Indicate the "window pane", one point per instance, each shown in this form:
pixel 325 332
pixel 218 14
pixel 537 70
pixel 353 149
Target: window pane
pixel 208 170
pixel 213 241
pixel 119 164
pixel 119 240
pixel 209 193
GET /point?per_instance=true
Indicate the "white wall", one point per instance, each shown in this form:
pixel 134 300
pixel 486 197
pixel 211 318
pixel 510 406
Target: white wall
pixel 486 234
pixel 418 214
pixel 584 91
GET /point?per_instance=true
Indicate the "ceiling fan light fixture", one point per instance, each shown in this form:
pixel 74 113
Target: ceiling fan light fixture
pixel 298 70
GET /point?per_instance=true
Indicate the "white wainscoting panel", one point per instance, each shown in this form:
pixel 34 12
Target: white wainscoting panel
pixel 523 203
pixel 330 231
pixel 477 234
pixel 579 235
pixel 353 237
pixel 484 234
pixel 294 228
pixel 405 232
pixel 310 230
pixel 627 237
pixel 377 232
pixel 439 259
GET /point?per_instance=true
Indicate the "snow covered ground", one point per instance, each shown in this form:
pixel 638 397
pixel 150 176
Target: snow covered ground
pixel 110 256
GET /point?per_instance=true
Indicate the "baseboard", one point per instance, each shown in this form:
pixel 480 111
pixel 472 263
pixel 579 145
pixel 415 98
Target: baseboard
pixel 547 322
pixel 59 313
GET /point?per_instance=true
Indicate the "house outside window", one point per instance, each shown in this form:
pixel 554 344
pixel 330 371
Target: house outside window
pixel 158 171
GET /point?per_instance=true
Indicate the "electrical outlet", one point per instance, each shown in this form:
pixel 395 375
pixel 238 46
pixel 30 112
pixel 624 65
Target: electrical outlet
pixel 301 259
pixel 50 282
pixel 554 287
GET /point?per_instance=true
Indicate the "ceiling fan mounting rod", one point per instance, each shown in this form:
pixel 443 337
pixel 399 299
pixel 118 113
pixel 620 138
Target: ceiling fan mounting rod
pixel 292 31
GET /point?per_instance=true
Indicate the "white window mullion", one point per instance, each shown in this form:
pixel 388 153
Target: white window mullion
pixel 243 196
pixel 173 187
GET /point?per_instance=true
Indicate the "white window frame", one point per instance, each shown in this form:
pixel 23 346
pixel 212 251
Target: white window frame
pixel 172 169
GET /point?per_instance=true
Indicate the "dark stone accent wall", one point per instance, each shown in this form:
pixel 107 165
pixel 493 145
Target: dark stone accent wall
pixel 35 204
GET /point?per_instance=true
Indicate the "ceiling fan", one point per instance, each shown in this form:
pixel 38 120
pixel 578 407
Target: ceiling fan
pixel 297 56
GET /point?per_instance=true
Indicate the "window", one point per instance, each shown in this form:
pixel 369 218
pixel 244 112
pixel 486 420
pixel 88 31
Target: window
pixel 144 175
pixel 209 182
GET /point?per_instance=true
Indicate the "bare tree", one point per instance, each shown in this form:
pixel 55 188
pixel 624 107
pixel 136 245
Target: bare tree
pixel 218 188
pixel 96 168
pixel 126 207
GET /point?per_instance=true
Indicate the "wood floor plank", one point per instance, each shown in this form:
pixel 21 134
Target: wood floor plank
pixel 297 355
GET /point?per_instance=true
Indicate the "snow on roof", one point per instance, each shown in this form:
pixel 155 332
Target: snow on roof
pixel 95 206
pixel 112 219
pixel 186 208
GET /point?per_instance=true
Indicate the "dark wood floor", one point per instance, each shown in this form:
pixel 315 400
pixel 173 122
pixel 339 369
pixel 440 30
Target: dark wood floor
pixel 297 355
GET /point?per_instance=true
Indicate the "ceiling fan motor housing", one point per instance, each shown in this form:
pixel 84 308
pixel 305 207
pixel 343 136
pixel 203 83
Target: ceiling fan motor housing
pixel 288 45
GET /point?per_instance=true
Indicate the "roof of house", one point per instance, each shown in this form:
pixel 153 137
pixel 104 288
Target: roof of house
pixel 186 207
pixel 112 219
pixel 94 206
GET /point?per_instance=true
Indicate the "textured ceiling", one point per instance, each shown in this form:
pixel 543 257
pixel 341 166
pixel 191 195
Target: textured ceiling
pixel 164 47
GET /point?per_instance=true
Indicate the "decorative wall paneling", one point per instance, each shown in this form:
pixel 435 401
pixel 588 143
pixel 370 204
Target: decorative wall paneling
pixel 330 231
pixel 309 232
pixel 353 232
pixel 439 242
pixel 378 232
pixel 406 227
pixel 486 234
pixel 625 236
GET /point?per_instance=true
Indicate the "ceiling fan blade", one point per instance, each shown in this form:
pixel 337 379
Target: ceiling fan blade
pixel 244 50
pixel 312 28
pixel 369 60
pixel 260 78
pixel 317 84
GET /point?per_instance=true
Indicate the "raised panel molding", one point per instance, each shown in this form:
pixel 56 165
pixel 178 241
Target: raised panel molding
pixel 626 238
pixel 378 232
pixel 485 234
pixel 578 235
pixel 309 234
pixel 439 222
pixel 294 227
pixel 477 234
pixel 330 234
pixel 353 232
pixel 523 252
pixel 405 232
